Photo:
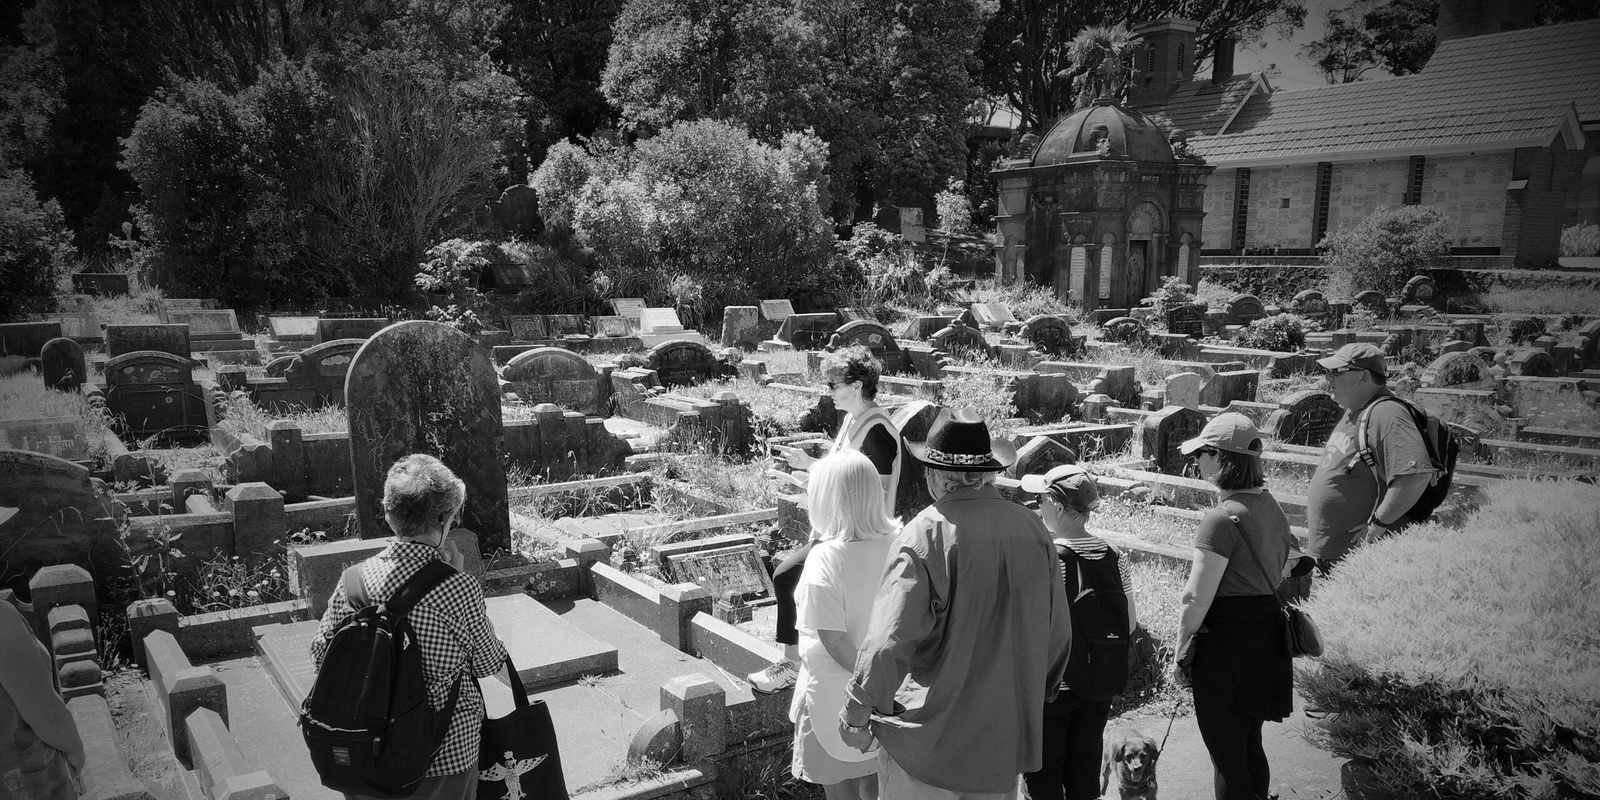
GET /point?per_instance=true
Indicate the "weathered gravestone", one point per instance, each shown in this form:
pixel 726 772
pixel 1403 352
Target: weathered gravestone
pixel 100 284
pixel 1244 309
pixel 205 322
pixel 659 320
pixel 1125 330
pixel 123 339
pixel 776 310
pixel 302 330
pixel 1372 300
pixel 560 376
pixel 26 339
pixel 957 338
pixel 921 327
pixel 1420 290
pixel 611 326
pixel 870 335
pixel 1304 418
pixel 425 387
pixel 1040 455
pixel 62 363
pixel 992 315
pixel 331 329
pixel 1187 320
pixel 740 327
pixel 724 571
pixel 1309 303
pixel 517 211
pixel 1050 335
pixel 682 363
pixel 62 437
pixel 1461 370
pixel 63 517
pixel 808 331
pixel 323 368
pixel 855 313
pixel 1164 430
pixel 1588 342
pixel 568 325
pixel 179 303
pixel 1228 386
pixel 1183 389
pixel 1533 364
pixel 630 307
pixel 155 394
pixel 81 326
pixel 526 327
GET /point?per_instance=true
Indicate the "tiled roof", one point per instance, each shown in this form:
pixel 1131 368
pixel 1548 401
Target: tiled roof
pixel 1202 107
pixel 1481 90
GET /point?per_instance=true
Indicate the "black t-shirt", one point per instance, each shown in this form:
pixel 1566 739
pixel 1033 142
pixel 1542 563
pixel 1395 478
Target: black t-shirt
pixel 880 447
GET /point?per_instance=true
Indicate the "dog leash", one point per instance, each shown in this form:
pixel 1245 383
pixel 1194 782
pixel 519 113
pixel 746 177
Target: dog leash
pixel 1170 720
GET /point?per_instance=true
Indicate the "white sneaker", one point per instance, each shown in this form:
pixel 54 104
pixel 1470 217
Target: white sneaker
pixel 776 677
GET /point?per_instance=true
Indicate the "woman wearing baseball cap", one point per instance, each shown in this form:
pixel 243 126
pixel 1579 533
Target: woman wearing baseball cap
pixel 1241 671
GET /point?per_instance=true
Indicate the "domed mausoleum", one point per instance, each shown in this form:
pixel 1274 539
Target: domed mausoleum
pixel 1105 207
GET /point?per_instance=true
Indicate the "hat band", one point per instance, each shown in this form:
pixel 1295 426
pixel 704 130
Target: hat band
pixel 960 459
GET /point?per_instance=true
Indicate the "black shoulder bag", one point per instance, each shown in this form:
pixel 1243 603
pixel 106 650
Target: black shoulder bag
pixel 518 757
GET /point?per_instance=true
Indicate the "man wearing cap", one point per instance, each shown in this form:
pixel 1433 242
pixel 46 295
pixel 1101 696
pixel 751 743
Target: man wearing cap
pixel 1349 501
pixel 953 675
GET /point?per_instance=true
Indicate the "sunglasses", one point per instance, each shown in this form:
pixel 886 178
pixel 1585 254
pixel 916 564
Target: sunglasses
pixel 1334 373
pixel 836 384
pixel 1206 451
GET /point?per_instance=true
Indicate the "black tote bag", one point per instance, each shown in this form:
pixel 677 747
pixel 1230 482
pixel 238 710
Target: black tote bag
pixel 518 759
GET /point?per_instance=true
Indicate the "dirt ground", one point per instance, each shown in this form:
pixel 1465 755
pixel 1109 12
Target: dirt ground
pixel 143 739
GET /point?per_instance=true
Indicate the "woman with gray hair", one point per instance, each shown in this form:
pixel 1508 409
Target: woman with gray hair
pixel 422 500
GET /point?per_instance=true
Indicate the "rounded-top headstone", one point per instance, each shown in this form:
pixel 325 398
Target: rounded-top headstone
pixel 62 363
pixel 425 387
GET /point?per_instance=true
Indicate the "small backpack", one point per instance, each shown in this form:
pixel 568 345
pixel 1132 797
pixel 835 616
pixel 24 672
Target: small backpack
pixel 1442 451
pixel 367 721
pixel 1097 668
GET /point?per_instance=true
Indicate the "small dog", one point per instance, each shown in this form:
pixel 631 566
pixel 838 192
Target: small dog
pixel 1128 761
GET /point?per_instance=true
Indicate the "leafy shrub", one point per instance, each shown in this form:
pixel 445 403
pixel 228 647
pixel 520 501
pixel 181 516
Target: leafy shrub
pixel 880 268
pixel 462 319
pixel 34 242
pixel 1458 662
pixel 954 207
pixel 451 267
pixel 1385 249
pixel 1173 293
pixel 1284 333
pixel 1581 240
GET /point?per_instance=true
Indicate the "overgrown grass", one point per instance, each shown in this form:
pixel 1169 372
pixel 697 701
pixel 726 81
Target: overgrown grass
pixel 778 412
pixel 24 396
pixel 142 306
pixel 1148 365
pixel 243 416
pixel 1026 300
pixel 1157 588
pixel 1543 300
pixel 1275 389
pixel 1463 663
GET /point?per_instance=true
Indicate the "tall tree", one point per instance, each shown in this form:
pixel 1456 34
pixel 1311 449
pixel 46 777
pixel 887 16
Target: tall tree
pixel 1345 52
pixel 1402 34
pixel 556 50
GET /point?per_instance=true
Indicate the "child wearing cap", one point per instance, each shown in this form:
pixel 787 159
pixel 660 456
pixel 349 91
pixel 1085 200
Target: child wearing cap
pixel 1074 723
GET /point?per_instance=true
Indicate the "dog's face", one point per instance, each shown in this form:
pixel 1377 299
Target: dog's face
pixel 1136 758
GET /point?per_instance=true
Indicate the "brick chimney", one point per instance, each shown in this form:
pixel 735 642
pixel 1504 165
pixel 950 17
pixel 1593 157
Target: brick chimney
pixel 1222 61
pixel 1163 59
pixel 1459 19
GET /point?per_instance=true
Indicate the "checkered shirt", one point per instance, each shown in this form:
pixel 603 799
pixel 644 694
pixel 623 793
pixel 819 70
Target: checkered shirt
pixel 452 626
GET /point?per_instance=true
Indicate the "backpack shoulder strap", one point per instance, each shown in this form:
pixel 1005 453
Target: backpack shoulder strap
pixel 1364 439
pixel 417 587
pixel 355 588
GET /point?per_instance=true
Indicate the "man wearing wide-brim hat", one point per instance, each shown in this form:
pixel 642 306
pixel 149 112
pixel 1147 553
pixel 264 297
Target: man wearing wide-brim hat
pixel 973 611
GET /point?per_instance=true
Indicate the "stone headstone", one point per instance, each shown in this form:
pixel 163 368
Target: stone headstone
pixel 1164 430
pixel 1420 290
pixel 1310 303
pixel 1244 309
pixel 323 368
pixel 1188 321
pixel 723 571
pixel 526 327
pixel 1533 364
pixel 205 322
pixel 1228 386
pixel 504 276
pixel 776 310
pixel 1546 343
pixel 868 334
pixel 26 339
pixel 1183 389
pixel 1049 334
pixel 180 303
pixel 630 307
pixel 62 363
pixel 425 387
pixel 682 363
pixel 739 327
pixel 611 326
pixel 1125 330
pixel 992 315
pixel 82 326
pixel 334 328
pixel 1040 455
pixel 517 211
pixel 62 437
pixel 100 284
pixel 1304 418
pixel 808 331
pixel 154 393
pixel 960 338
pixel 1459 370
pixel 1371 300
pixel 293 329
pixel 63 517
pixel 123 339
pixel 923 326
pixel 557 375
pixel 567 325
pixel 659 320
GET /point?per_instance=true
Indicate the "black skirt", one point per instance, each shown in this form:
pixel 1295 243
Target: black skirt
pixel 1242 652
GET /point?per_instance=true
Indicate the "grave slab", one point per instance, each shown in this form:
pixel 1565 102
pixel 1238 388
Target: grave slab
pixel 546 648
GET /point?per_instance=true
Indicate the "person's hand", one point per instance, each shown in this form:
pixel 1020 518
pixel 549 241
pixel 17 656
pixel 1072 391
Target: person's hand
pixel 861 741
pixel 1177 673
pixel 453 555
pixel 1372 533
pixel 797 458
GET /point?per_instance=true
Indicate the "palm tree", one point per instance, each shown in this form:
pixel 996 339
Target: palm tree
pixel 1102 59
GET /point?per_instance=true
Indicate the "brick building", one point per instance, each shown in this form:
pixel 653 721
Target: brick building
pixel 1501 130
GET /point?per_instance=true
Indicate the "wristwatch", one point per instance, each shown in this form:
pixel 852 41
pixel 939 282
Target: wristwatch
pixel 1373 520
pixel 848 728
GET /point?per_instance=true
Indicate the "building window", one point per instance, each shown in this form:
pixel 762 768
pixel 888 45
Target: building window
pixel 1182 65
pixel 1283 202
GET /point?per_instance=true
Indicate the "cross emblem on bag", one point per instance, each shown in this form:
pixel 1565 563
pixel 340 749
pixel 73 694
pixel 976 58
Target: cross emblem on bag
pixel 511 771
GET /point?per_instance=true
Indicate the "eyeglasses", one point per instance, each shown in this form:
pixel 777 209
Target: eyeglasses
pixel 836 384
pixel 1334 373
pixel 1206 451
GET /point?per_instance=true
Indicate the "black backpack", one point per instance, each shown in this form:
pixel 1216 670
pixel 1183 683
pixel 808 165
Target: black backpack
pixel 1097 669
pixel 1442 451
pixel 367 721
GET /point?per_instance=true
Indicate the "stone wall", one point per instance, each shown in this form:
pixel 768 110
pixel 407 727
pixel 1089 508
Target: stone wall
pixel 1272 225
pixel 1583 186
pixel 1533 213
pixel 1361 187
pixel 1471 191
pixel 1216 232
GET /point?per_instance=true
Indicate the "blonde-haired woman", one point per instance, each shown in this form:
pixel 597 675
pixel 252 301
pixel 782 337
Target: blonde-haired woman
pixel 833 607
